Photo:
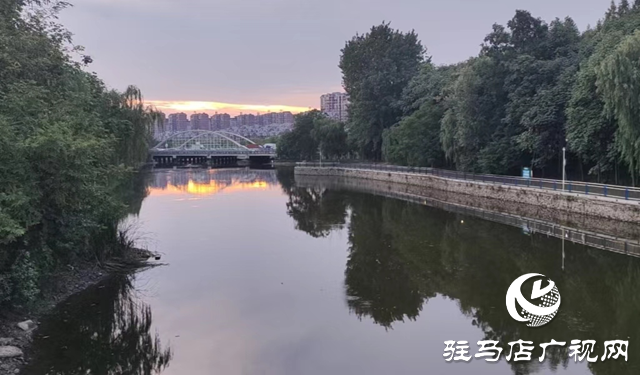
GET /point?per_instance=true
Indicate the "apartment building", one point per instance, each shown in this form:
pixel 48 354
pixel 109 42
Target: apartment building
pixel 335 105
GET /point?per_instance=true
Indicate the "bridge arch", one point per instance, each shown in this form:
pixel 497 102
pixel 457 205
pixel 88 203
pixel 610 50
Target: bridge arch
pixel 204 140
pixel 237 137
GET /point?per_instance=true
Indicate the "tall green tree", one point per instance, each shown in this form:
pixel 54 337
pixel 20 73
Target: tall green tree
pixel 612 13
pixel 331 137
pixel 619 82
pixel 428 85
pixel 415 141
pixel 624 8
pixel 535 88
pixel 473 118
pixel 299 144
pixel 543 121
pixel 591 128
pixel 376 69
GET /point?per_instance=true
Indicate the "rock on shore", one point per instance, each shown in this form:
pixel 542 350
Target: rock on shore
pixel 10 352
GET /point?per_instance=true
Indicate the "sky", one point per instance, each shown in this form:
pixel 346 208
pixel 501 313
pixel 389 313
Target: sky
pixel 269 55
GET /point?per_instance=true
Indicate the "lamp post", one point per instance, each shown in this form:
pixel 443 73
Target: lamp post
pixel 564 165
pixel 563 235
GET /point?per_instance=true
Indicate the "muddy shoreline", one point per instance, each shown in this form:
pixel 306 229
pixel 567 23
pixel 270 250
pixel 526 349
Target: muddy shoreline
pixel 60 286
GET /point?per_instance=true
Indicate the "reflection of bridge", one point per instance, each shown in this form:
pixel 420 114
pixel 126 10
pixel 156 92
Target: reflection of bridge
pixel 199 146
pixel 211 181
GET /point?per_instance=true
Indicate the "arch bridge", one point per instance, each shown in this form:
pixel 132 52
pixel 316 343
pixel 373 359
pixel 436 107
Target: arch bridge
pixel 198 146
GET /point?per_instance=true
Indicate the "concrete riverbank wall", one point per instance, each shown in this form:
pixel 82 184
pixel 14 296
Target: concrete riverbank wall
pixel 591 206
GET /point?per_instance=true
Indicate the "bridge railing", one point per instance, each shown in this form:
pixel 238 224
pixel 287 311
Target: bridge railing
pixel 574 187
pixel 169 151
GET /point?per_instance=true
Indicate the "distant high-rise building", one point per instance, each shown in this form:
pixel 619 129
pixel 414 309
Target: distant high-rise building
pixel 278 118
pixel 282 118
pixel 267 118
pixel 178 122
pixel 220 121
pixel 200 121
pixel 287 117
pixel 246 120
pixel 335 105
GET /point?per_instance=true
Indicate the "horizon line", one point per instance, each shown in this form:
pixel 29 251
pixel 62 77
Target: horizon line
pixel 185 106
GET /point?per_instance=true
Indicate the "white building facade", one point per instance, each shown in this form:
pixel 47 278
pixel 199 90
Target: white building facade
pixel 335 105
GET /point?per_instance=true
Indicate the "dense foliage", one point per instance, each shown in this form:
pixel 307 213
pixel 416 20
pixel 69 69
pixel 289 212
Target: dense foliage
pixel 314 134
pixel 67 144
pixel 376 68
pixel 534 88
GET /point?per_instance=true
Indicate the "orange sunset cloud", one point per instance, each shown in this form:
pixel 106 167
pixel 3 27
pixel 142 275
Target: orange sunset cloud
pixel 212 107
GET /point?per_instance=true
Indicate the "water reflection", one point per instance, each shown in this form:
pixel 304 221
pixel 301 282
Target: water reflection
pixel 315 211
pixel 401 255
pixel 267 276
pixel 103 330
pixel 209 182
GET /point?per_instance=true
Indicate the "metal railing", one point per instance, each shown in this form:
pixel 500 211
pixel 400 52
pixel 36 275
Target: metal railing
pixel 260 151
pixel 573 187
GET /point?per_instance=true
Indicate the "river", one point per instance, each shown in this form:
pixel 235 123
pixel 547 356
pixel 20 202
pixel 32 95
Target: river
pixel 266 277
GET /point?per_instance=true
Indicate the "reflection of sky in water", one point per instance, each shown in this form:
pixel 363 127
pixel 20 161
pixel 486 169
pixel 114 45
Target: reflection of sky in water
pixel 204 183
pixel 245 293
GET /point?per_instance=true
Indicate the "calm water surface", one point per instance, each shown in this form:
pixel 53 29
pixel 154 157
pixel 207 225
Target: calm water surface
pixel 264 277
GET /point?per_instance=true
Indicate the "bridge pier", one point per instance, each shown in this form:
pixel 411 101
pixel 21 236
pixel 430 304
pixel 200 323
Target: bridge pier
pixel 260 160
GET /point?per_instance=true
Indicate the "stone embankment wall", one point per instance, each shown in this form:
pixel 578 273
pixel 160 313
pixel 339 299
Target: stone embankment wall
pixel 594 206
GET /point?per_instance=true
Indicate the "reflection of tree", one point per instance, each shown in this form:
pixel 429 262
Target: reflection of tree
pixel 134 190
pixel 316 211
pixel 286 179
pixel 103 330
pixel 401 254
pixel 378 282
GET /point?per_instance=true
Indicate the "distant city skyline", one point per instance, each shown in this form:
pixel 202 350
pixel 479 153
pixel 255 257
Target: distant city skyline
pixel 214 115
pixel 211 108
pixel 248 125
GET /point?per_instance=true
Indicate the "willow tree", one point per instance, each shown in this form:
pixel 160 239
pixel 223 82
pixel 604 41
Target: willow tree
pixel 472 131
pixel 619 83
pixel 63 139
pixel 129 121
